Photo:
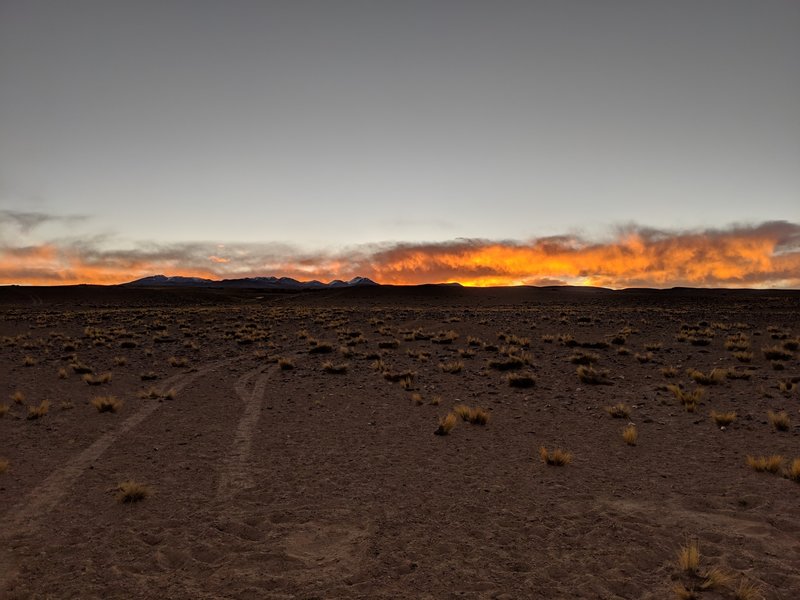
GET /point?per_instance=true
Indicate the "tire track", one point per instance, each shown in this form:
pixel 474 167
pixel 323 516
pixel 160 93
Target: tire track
pixel 22 518
pixel 235 475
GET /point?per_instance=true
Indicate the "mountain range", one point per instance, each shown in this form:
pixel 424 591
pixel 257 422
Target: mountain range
pixel 283 283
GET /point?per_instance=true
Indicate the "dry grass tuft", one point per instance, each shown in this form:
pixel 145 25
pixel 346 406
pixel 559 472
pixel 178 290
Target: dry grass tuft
pixel 446 424
pixel 120 361
pixel 714 377
pixel 769 464
pixel 512 362
pixel 132 491
pixel 689 557
pixel 106 403
pixel 62 373
pixel 644 357
pixel 18 397
pixel 684 593
pixel 747 590
pixel 339 369
pixel 556 457
pixel 584 358
pixel 37 412
pixel 286 363
pixel 776 353
pixel 743 356
pixel 591 376
pixel 3 410
pixel 435 401
pixel 29 361
pixel 3 465
pixel 619 410
pixel 97 379
pixel 630 434
pixel 174 361
pixel 716 579
pixel 690 400
pixel 780 421
pixel 416 398
pixel 723 419
pixel 474 415
pixel 793 472
pixel 451 367
pixel 521 380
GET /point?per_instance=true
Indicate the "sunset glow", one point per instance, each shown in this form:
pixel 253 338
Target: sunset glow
pixel 759 256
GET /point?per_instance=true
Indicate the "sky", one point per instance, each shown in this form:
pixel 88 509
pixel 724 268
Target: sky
pixel 615 143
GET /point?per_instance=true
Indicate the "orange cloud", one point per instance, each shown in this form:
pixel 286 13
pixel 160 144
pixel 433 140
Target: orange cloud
pixel 744 256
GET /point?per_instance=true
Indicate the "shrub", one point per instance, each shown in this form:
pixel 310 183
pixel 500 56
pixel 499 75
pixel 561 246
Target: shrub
pixel 630 434
pixel 37 412
pixel 592 376
pixel 780 421
pixel 106 403
pixel 556 457
pixel 723 419
pixel 446 424
pixel 521 380
pixel 770 464
pixel 619 410
pixel 132 491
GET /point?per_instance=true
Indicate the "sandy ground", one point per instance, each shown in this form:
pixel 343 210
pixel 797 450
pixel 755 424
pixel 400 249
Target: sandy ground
pixel 269 482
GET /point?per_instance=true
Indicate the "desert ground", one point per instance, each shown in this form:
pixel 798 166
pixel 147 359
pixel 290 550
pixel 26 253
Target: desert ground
pixel 244 444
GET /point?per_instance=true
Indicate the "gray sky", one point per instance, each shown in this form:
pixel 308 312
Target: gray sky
pixel 337 123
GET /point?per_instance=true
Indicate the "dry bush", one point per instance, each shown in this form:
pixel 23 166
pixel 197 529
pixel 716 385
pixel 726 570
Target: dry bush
pixel 132 491
pixel 339 369
pixel 81 368
pixel 511 362
pixel 591 376
pixel 37 412
pixel 689 399
pixel 320 347
pixel 780 421
pixel 714 377
pixel 769 464
pixel 747 590
pixel 18 397
pixel 461 410
pixel 97 379
pixel 106 403
pixel 286 363
pixel 521 380
pixel 3 465
pixel 669 372
pixel 474 415
pixel 584 358
pixel 619 410
pixel 743 356
pixel 716 579
pixel 776 353
pixel 451 367
pixel 689 557
pixel 630 434
pixel 723 419
pixel 793 471
pixel 684 593
pixel 555 457
pixel 395 376
pixel 446 424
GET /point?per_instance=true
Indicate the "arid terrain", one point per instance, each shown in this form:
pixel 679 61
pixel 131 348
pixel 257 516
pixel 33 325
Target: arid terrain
pixel 283 445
